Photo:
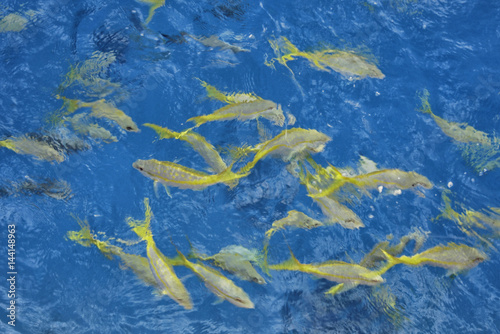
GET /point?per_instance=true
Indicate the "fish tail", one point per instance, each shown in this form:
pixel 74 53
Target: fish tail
pixel 228 176
pixel 198 120
pixel 213 93
pixel 391 262
pixel 142 227
pixel 291 264
pixel 180 259
pixel 164 133
pixel 7 143
pixel 193 253
pixel 84 237
pixel 265 263
pixel 426 107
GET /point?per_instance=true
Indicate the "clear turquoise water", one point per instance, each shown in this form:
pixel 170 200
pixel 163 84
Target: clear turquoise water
pixel 449 48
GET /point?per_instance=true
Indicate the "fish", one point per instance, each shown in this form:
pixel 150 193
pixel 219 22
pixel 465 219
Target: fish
pixel 175 175
pixel 81 125
pixel 375 256
pixel 470 220
pixel 215 42
pixel 13 22
pixel 162 270
pixel 31 146
pixel 153 6
pixel 337 213
pixel 346 62
pixel 233 262
pixel 229 98
pixel 198 142
pixel 461 132
pixel 454 257
pixel 103 109
pixel 90 74
pixel 288 145
pixel 138 264
pixel 294 219
pixel 218 284
pixel 329 180
pixel 347 274
pixel 244 111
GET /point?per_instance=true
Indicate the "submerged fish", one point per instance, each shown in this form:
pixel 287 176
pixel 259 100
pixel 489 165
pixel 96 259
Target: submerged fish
pixel 469 220
pixel 138 264
pixel 348 274
pixel 103 109
pixel 347 63
pixel 376 255
pixel 337 213
pixel 233 262
pixel 165 277
pixel 244 111
pixel 90 75
pixel 175 175
pixel 220 285
pixel 215 42
pixel 460 132
pixel 294 219
pixel 288 145
pixel 80 124
pixel 198 142
pixel 452 257
pixel 230 98
pixel 31 146
pixel 13 22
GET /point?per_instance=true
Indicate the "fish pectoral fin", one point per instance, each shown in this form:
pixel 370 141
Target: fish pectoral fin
pixel 342 287
pixel 218 301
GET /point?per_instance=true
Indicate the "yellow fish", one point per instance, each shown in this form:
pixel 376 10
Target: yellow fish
pixel 288 145
pixel 461 132
pixel 138 264
pixel 198 142
pixel 175 175
pixel 452 257
pixel 347 274
pixel 80 124
pixel 30 146
pixel 347 63
pixel 233 262
pixel 103 109
pixel 221 286
pixel 230 98
pixel 294 219
pixel 165 277
pixel 244 111
pixel 376 255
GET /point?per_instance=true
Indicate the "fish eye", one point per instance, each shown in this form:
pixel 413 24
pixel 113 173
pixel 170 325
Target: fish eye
pixel 129 128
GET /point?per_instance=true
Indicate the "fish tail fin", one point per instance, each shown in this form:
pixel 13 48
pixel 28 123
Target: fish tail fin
pixel 164 133
pixel 424 97
pixel 7 143
pixel 142 227
pixel 236 152
pixel 180 259
pixel 213 93
pixel 229 177
pixel 193 252
pixel 291 264
pixel 198 120
pixel 391 262
pixel 83 237
pixel 265 263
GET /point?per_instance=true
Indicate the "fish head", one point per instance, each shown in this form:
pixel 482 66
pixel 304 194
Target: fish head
pixel 142 166
pixel 129 125
pixel 312 223
pixel 275 115
pixel 242 301
pixel 258 279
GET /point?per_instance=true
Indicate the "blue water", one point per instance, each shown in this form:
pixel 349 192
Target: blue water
pixel 450 48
